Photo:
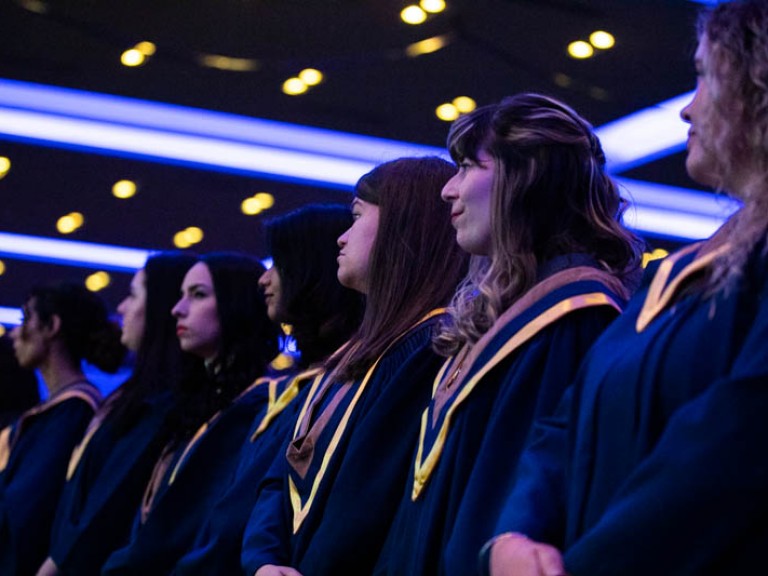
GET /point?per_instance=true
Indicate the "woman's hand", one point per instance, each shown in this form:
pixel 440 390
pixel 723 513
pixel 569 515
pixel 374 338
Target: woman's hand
pixel 48 568
pixel 271 570
pixel 516 555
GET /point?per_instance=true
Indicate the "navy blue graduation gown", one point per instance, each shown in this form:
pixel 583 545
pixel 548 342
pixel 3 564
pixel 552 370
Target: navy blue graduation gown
pixel 34 452
pixel 186 484
pixel 479 418
pixel 106 479
pixel 218 544
pixel 329 500
pixel 657 464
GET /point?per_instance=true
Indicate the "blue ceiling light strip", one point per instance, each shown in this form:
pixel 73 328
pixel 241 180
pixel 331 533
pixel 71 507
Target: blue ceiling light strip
pixel 645 135
pixel 10 316
pixel 72 253
pixel 168 118
pixel 166 133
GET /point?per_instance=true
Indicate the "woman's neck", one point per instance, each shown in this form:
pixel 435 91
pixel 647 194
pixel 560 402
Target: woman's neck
pixel 58 373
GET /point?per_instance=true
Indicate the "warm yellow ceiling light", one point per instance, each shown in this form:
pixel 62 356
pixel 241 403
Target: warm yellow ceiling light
pixel 2 330
pixel 447 112
pixel 562 80
pixel 146 48
pixel 580 50
pixel 250 206
pixel 602 39
pixel 265 200
pixel 124 189
pixel 2 267
pixel 180 240
pixel 413 15
pixel 132 58
pixel 185 238
pixel 5 166
pixel 70 222
pixel 97 281
pixel 464 104
pixel 432 6
pixel 310 76
pixel 194 234
pixel 229 63
pixel 294 86
pixel 426 46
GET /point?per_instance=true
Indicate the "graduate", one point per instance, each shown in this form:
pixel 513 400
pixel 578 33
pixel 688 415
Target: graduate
pixel 658 463
pixel 64 324
pixel 109 469
pixel 330 496
pixel 301 290
pixel 552 266
pixel 222 319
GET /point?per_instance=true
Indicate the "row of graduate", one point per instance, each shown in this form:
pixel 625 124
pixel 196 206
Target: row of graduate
pixel 481 393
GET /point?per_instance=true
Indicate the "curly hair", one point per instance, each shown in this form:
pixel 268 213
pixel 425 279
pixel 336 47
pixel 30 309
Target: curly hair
pixel 550 196
pixel 737 40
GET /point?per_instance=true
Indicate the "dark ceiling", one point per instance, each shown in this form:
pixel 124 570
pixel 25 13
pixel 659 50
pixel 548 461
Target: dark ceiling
pixel 496 48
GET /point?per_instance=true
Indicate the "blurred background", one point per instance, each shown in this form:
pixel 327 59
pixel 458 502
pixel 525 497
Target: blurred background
pixel 150 125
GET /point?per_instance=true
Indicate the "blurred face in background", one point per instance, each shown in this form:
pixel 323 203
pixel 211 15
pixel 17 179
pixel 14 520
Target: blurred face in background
pixel 133 311
pixel 196 313
pixel 356 245
pixel 31 339
pixel 270 283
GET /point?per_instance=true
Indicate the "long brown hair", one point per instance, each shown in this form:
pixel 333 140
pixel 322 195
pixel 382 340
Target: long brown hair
pixel 415 263
pixel 551 196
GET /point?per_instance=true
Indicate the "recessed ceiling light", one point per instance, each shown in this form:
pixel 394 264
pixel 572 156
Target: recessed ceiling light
pixel 413 15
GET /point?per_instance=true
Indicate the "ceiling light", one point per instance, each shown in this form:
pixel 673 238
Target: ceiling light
pixel 212 140
pixel 146 48
pixel 426 46
pixel 69 252
pixel 447 112
pixel 311 77
pixel 180 240
pixel 432 6
pixel 645 135
pixel 294 86
pixel 97 281
pixel 602 39
pixel 580 50
pixel 250 206
pixel 194 234
pixel 229 63
pixel 132 58
pixel 124 189
pixel 464 104
pixel 2 267
pixel 413 15
pixel 69 223
pixel 265 200
pixel 10 316
pixel 5 166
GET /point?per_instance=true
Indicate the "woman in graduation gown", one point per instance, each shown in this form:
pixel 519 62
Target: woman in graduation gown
pixel 109 469
pixel 64 324
pixel 658 465
pixel 331 495
pixel 301 290
pixel 221 318
pixel 552 267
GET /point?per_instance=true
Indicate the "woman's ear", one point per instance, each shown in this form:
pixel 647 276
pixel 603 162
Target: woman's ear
pixel 52 329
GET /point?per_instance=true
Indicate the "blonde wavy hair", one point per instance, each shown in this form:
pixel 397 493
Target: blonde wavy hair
pixel 737 39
